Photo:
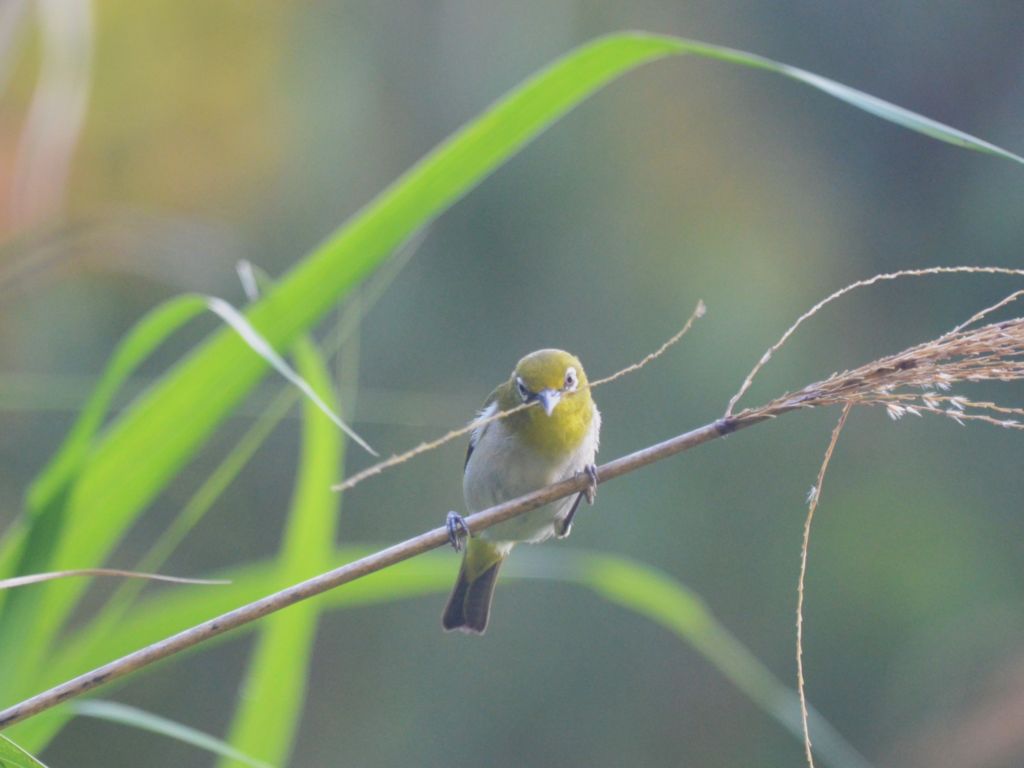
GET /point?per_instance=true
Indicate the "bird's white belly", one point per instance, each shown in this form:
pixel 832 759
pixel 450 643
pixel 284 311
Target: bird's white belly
pixel 516 469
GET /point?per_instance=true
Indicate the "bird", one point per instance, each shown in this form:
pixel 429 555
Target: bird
pixel 554 439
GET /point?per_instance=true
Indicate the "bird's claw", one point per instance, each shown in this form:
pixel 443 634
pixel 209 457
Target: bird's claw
pixel 563 526
pixel 591 490
pixel 458 531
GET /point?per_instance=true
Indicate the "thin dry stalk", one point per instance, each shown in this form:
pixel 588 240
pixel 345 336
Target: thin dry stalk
pixel 977 317
pixel 915 380
pixel 401 458
pixel 698 312
pixel 812 505
pixel 994 352
pixel 37 578
pixel 438 537
pixel 990 353
pixel 863 284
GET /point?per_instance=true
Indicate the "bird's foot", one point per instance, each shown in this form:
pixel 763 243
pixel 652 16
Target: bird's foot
pixel 591 490
pixel 458 531
pixel 564 526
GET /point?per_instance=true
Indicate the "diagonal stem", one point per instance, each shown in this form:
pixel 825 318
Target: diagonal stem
pixel 417 545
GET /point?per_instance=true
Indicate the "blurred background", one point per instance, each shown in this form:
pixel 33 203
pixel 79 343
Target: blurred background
pixel 147 145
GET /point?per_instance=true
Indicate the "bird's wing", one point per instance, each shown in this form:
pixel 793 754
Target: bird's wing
pixel 490 408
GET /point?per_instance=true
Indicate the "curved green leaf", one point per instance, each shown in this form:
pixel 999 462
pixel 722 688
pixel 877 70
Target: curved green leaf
pixel 169 611
pixel 169 423
pixel 138 345
pixel 147 721
pixel 864 101
pixel 28 544
pixel 140 342
pixel 259 345
pixel 660 598
pixel 274 691
pixel 638 588
pixel 193 398
pixel 13 756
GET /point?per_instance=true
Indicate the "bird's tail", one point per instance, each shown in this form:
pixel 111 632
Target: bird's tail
pixel 470 604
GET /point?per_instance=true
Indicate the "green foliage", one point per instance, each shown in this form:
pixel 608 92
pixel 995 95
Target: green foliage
pixel 13 756
pixel 46 492
pixel 658 597
pixel 102 480
pixel 29 544
pixel 642 590
pixel 147 721
pixel 272 702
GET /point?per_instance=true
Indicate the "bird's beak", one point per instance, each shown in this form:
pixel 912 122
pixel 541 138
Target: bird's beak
pixel 549 399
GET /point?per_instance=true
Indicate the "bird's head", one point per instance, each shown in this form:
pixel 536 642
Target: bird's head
pixel 555 382
pixel 550 377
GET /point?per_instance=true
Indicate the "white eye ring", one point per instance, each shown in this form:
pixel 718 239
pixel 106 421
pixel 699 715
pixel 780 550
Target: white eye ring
pixel 524 393
pixel 570 379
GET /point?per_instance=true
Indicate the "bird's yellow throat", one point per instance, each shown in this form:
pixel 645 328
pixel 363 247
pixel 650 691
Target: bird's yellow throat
pixel 563 431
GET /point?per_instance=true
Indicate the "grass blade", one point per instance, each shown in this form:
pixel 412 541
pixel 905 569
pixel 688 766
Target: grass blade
pixel 638 588
pixel 13 756
pixel 170 611
pixel 274 692
pixel 873 105
pixel 188 404
pixel 37 578
pixel 138 345
pixel 259 345
pixel 28 544
pixel 169 423
pixel 147 721
pixel 143 339
pixel 656 596
pixel 105 624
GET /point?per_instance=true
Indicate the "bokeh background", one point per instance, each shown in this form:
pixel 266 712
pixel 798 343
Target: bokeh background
pixel 147 145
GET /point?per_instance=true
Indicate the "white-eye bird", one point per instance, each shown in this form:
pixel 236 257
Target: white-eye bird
pixel 554 439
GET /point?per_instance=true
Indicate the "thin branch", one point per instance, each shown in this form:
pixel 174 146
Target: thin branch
pixel 698 312
pixel 401 458
pixel 812 505
pixel 36 578
pixel 994 352
pixel 863 284
pixel 438 537
pixel 978 316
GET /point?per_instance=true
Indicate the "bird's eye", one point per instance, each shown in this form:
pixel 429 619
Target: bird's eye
pixel 570 380
pixel 524 393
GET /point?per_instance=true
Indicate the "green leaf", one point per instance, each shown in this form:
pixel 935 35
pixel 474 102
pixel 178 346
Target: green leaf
pixel 188 403
pixel 29 543
pixel 142 340
pixel 660 598
pixel 146 721
pixel 166 426
pixel 95 642
pixel 864 101
pixel 158 325
pixel 13 756
pixel 191 400
pixel 228 469
pixel 259 345
pixel 38 578
pixel 169 611
pixel 274 691
pixel 638 588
